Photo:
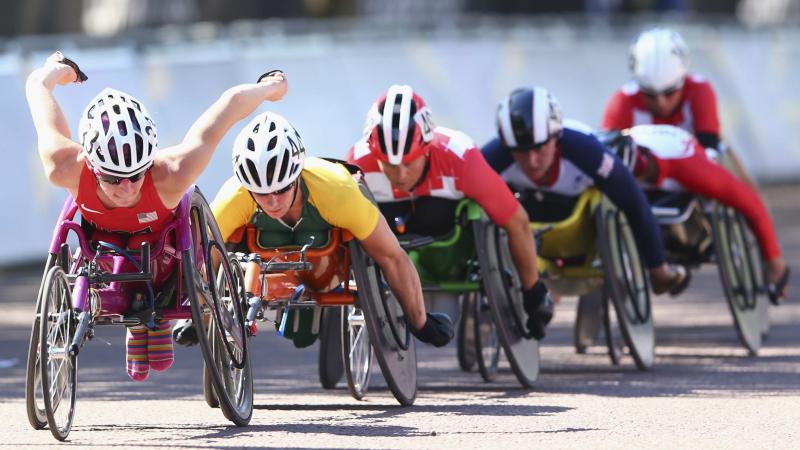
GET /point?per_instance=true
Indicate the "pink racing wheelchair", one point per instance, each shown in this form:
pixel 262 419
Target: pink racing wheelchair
pixel 98 283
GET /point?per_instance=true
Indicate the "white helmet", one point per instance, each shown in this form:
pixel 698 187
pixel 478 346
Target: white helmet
pixel 117 134
pixel 659 59
pixel 268 154
pixel 528 117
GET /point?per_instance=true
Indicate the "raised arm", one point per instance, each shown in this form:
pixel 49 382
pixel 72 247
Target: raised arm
pixel 176 168
pixel 58 152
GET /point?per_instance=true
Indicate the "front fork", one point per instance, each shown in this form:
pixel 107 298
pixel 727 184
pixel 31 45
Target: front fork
pixel 81 307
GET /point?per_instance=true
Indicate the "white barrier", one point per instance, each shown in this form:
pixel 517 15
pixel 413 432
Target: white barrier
pixel 334 79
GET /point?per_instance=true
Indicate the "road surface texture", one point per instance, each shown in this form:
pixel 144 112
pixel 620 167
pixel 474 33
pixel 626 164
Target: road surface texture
pixel 705 391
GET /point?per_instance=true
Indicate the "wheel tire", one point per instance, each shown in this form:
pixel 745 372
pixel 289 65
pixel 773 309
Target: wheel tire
pixel 330 364
pixel 216 308
pixel 742 275
pixel 625 284
pixel 465 337
pixel 487 345
pixel 356 351
pixel 589 319
pixel 34 399
pixel 58 367
pixel 503 289
pixel 394 347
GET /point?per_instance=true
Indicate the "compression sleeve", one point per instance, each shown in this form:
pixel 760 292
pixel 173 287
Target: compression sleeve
pixel 232 207
pixel 487 188
pixel 615 181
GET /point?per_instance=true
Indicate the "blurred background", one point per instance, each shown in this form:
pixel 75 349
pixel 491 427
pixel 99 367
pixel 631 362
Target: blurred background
pixel 462 56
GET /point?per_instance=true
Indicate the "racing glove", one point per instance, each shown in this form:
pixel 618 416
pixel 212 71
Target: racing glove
pixel 437 331
pixel 539 305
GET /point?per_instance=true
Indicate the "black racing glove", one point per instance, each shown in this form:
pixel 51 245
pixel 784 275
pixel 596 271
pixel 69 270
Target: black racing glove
pixel 539 306
pixel 437 331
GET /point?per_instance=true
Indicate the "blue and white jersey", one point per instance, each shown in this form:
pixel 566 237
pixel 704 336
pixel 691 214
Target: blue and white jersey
pixel 583 161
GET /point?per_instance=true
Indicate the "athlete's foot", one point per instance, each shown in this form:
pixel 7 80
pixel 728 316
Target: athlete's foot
pixel 138 367
pixel 669 278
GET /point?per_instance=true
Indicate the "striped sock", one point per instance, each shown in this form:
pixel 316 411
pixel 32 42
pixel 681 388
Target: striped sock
pixel 159 347
pixel 136 353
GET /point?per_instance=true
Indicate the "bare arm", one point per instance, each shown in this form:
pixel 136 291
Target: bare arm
pixel 60 155
pixel 403 279
pixel 176 168
pixel 523 248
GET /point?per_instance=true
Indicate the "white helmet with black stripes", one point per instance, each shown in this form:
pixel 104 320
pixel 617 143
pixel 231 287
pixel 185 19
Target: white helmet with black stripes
pixel 117 134
pixel 268 154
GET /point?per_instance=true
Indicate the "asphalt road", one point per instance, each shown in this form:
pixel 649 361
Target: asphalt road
pixel 705 391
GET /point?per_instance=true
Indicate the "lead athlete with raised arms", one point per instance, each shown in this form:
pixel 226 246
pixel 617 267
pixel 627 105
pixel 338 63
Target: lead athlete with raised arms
pixel 126 188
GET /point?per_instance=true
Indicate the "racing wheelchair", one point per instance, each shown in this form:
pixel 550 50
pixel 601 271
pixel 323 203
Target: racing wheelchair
pixel 186 274
pixel 351 305
pixel 699 231
pixel 586 248
pixel 473 261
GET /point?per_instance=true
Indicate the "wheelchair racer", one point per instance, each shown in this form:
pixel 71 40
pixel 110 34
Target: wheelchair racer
pixel 289 197
pixel 127 190
pixel 663 91
pixel 419 171
pixel 671 159
pixel 536 152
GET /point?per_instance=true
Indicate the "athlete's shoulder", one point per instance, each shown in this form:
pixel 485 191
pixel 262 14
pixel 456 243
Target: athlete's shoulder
pixel 232 195
pixel 578 141
pixel 326 171
pixel 698 86
pixel 498 157
pixel 454 141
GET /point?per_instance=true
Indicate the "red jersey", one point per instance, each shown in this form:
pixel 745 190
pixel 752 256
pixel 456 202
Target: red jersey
pixel 149 215
pixel 456 169
pixel 697 112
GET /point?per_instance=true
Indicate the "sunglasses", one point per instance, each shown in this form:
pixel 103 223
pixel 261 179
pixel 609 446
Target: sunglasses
pixel 669 92
pixel 115 180
pixel 282 190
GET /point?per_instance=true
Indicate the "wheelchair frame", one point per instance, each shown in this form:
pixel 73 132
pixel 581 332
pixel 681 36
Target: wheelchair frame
pixel 85 289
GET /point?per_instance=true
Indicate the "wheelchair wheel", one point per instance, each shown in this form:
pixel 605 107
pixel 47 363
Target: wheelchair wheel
pixel 741 272
pixel 465 339
pixel 615 342
pixel 386 323
pixel 208 379
pixel 504 292
pixel 217 312
pixel 34 400
pixel 625 284
pixel 331 367
pixel 59 368
pixel 487 346
pixel 356 351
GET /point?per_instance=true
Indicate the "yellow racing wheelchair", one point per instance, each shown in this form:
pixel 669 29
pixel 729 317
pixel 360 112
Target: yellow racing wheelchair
pixel 586 249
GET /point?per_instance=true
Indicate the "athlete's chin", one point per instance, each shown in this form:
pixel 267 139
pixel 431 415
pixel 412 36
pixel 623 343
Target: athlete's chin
pixel 275 214
pixel 124 202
